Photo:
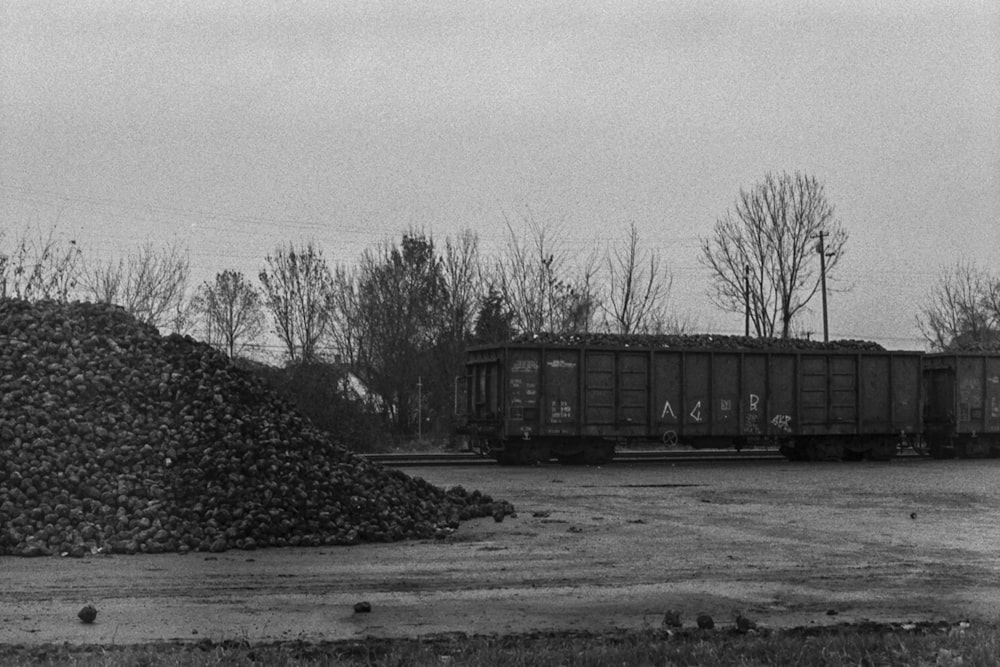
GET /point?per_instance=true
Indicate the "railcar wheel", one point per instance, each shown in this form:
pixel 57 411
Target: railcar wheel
pixel 481 446
pixel 919 445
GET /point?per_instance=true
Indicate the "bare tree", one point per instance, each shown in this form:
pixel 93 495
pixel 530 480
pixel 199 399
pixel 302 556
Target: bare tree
pixel 963 311
pixel 298 290
pixel 347 327
pixel 769 241
pixel 149 283
pixel 638 288
pixel 40 267
pixel 461 270
pixel 538 284
pixel 231 312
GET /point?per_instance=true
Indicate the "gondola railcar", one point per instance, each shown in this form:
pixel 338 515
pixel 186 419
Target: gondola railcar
pixel 575 399
pixel 962 396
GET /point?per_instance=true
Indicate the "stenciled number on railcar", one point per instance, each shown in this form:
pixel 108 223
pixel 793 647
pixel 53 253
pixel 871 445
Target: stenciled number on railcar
pixel 561 410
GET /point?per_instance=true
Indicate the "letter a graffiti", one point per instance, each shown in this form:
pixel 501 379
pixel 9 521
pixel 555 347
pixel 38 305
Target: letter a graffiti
pixel 667 410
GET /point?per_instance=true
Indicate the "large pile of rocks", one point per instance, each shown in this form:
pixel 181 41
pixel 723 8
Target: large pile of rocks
pixel 696 342
pixel 115 439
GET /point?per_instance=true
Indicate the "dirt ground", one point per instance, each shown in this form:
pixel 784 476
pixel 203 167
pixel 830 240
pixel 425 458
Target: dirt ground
pixel 590 549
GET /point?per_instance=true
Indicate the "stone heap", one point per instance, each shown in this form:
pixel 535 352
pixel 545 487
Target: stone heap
pixel 114 439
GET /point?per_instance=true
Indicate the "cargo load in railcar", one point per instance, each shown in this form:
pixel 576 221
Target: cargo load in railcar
pixel 575 398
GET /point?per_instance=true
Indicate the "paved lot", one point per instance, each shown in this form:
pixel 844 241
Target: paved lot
pixel 591 548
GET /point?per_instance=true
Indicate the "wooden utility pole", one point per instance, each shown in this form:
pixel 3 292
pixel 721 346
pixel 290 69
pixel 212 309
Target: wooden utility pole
pixel 746 300
pixel 822 277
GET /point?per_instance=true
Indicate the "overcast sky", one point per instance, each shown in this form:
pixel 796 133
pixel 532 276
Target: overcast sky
pixel 235 126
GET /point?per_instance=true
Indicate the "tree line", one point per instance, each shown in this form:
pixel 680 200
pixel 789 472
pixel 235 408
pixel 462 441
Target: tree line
pixel 389 331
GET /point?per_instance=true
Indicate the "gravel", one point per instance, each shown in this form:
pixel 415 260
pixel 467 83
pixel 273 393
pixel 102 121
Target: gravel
pixel 115 439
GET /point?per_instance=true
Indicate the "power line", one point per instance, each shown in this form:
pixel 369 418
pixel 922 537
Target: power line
pixel 220 223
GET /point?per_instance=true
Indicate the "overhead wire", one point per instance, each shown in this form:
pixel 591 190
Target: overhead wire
pixel 243 227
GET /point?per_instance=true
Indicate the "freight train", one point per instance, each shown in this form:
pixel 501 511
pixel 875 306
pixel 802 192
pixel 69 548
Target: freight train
pixel 577 398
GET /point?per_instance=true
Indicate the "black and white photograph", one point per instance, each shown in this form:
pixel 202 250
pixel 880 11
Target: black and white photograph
pixel 386 332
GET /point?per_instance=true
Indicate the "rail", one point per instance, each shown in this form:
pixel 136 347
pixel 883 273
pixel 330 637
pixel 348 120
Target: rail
pixel 654 456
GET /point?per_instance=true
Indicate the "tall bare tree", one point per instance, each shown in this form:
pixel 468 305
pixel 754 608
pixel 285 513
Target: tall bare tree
pixel 638 288
pixel 150 283
pixel 541 288
pixel 43 266
pixel 963 309
pixel 462 273
pixel 769 241
pixel 298 291
pixel 231 312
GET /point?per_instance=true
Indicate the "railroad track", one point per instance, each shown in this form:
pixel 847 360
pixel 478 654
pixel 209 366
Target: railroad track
pixel 471 459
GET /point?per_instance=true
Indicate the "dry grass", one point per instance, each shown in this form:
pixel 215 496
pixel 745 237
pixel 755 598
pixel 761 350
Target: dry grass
pixel 938 645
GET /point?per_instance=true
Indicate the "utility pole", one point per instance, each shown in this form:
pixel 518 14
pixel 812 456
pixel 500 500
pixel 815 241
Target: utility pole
pixel 420 412
pixel 822 277
pixel 746 300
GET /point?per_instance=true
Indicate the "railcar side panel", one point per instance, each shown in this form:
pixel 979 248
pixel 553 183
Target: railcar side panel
pixel 726 391
pixel 667 396
pixel 939 397
pixel 522 391
pixel 906 391
pixel 696 410
pixel 875 394
pixel 991 408
pixel 561 393
pixel 599 395
pixel 813 393
pixel 480 397
pixel 632 417
pixel 964 390
pixel 782 415
pixel 978 393
pixel 843 395
pixel 754 393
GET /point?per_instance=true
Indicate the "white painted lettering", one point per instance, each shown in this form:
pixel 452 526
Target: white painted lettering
pixel 782 422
